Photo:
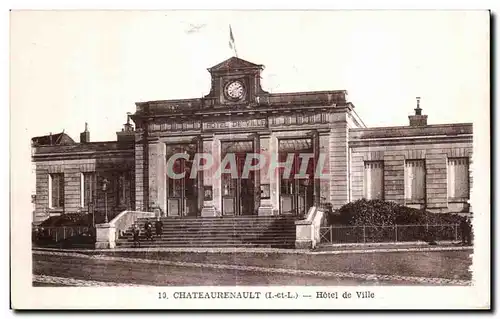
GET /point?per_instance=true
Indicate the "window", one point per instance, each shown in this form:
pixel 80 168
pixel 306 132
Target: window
pixel 56 190
pixel 458 179
pixel 87 188
pixel 415 180
pixel 374 180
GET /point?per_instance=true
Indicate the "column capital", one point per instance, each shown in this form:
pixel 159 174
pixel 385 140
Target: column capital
pixel 207 137
pixel 153 139
pixel 324 131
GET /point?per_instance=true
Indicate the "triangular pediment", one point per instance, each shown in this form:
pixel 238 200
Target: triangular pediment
pixel 234 63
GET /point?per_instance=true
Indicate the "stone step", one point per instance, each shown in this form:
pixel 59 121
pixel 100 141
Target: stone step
pixel 220 229
pixel 214 245
pixel 231 220
pixel 202 241
pixel 208 224
pixel 227 227
pixel 235 231
pixel 214 239
pixel 220 241
pixel 215 234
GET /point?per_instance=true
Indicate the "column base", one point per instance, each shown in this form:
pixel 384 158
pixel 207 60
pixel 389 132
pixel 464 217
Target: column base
pixel 208 211
pixel 265 211
pixel 303 244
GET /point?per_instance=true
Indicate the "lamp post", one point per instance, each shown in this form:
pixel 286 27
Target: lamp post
pixel 105 183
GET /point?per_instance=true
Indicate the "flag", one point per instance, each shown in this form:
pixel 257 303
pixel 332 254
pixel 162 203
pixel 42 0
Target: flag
pixel 232 44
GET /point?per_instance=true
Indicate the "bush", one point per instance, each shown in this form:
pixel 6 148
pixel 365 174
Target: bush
pixel 76 219
pixel 378 212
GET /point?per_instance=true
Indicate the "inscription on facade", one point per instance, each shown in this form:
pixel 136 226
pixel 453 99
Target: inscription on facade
pixel 300 119
pixel 236 124
pixel 172 126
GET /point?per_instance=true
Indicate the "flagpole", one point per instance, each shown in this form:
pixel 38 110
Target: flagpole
pixel 232 43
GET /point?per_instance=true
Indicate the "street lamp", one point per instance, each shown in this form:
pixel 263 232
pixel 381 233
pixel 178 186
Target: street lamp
pixel 105 183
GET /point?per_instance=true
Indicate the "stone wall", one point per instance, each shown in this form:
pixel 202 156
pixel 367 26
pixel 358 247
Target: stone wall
pixel 109 167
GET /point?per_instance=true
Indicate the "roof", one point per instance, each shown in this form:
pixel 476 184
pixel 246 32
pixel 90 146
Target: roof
pixel 85 147
pixel 53 139
pixel 455 129
pixel 233 64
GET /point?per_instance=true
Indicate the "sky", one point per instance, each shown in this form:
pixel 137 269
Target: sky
pixel 75 67
pixel 72 67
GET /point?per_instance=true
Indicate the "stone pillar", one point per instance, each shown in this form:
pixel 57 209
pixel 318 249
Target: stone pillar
pixel 274 174
pixel 257 149
pixel 157 175
pixel 265 206
pixel 139 176
pixel 208 209
pixel 199 176
pixel 324 176
pixel 105 236
pixel 316 183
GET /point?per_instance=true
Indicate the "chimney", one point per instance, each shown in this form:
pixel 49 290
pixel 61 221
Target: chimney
pixel 418 119
pixel 85 135
pixel 127 134
pixel 127 127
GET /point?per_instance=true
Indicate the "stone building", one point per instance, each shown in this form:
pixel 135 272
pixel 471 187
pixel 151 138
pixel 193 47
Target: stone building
pixel 419 165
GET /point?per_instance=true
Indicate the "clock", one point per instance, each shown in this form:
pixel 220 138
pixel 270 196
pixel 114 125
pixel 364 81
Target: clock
pixel 234 90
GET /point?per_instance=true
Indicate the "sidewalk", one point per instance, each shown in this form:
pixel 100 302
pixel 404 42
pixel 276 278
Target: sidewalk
pixel 322 249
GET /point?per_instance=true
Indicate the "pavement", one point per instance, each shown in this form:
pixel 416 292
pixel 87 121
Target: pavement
pixel 63 268
pixel 324 249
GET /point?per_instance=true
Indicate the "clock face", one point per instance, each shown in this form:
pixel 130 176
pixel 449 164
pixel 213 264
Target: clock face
pixel 234 90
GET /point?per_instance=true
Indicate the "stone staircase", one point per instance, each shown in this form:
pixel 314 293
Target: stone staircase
pixel 241 231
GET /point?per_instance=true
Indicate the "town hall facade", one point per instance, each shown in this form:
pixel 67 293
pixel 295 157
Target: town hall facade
pixel 418 165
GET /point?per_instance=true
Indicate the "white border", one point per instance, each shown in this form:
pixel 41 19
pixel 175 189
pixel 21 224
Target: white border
pixel 389 297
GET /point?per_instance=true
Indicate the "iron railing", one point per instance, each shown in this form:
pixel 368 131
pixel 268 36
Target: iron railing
pixel 394 233
pixel 58 233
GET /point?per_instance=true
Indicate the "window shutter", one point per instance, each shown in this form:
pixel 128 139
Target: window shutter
pixel 374 180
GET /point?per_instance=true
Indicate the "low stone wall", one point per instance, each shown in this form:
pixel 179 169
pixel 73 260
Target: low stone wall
pixel 308 229
pixel 108 233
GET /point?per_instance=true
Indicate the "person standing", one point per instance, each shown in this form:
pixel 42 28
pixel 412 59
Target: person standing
pixel 136 233
pixel 148 227
pixel 158 227
pixel 468 236
pixel 463 229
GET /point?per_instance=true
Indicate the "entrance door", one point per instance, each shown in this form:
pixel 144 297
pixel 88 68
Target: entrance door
pixel 182 194
pixel 296 193
pixel 238 191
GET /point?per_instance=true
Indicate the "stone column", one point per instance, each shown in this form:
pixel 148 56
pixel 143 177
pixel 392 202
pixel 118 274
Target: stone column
pixel 199 176
pixel 157 175
pixel 316 183
pixel 265 206
pixel 274 174
pixel 216 180
pixel 139 175
pixel 324 176
pixel 208 208
pixel 257 149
